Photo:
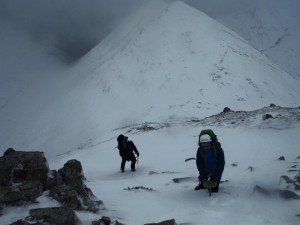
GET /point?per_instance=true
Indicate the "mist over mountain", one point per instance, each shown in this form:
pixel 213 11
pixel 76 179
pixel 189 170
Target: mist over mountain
pixel 66 29
pixel 163 74
pixel 274 29
pixel 163 61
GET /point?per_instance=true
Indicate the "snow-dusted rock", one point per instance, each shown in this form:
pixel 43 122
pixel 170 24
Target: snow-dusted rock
pixel 23 176
pixel 67 186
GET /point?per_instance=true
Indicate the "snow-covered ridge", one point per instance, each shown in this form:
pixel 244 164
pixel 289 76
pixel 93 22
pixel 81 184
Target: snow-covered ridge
pixel 181 50
pixel 273 28
pixel 169 60
pixel 271 117
pixel 177 68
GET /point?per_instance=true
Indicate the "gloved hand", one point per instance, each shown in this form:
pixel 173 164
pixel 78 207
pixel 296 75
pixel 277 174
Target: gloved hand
pixel 210 182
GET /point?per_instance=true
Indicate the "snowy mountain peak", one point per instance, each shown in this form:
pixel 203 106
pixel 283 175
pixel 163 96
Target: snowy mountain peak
pixel 182 55
pixel 164 61
pixel 163 76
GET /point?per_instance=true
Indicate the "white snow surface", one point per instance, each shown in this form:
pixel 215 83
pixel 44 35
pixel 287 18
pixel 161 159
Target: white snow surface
pixel 166 64
pixel 273 27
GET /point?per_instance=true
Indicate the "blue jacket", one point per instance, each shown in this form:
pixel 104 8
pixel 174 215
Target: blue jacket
pixel 210 162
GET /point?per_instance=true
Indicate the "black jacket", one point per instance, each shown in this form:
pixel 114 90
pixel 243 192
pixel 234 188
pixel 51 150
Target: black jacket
pixel 126 149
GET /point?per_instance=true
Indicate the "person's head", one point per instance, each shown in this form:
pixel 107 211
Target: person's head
pixel 121 138
pixel 205 141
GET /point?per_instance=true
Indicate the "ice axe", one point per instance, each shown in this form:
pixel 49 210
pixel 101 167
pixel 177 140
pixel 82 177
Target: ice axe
pixel 137 159
pixel 188 159
pixel 209 184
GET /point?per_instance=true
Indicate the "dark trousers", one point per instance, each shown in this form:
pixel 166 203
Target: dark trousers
pixel 129 158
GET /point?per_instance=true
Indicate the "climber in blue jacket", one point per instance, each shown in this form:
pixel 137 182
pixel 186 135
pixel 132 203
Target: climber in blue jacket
pixel 210 162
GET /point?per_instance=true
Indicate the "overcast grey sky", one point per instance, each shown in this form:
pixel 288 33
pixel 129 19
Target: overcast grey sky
pixel 67 29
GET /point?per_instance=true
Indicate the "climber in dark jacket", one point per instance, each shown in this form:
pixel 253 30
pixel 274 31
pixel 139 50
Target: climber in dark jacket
pixel 210 162
pixel 127 150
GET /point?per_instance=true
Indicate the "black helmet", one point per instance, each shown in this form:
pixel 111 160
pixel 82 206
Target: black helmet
pixel 120 138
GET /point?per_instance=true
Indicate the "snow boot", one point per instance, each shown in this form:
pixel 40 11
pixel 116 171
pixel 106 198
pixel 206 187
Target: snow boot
pixel 199 187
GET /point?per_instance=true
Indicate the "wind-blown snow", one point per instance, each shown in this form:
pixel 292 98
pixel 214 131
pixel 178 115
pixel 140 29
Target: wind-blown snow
pixel 182 52
pixel 273 28
pixel 166 64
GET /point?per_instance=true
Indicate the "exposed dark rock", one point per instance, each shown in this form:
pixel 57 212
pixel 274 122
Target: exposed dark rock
pixel 287 179
pixel 286 194
pixel 98 222
pixel 234 164
pixel 163 172
pixel 293 170
pixel 153 172
pixel 118 223
pixel 23 222
pixel 166 222
pixel 169 172
pixel 184 179
pixel 106 220
pixel 103 221
pixel 21 193
pixel 67 186
pixel 226 110
pixel 139 188
pixel 51 182
pixel 297 178
pixel 261 190
pixel 284 115
pixel 267 116
pixel 23 176
pixel 251 168
pixel 143 127
pixel 54 215
pixel 9 151
pixel 272 105
pixel 67 196
pixel 281 158
pixel 20 166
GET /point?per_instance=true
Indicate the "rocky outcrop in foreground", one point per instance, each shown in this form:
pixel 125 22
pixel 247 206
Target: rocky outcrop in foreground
pixel 67 186
pixel 25 176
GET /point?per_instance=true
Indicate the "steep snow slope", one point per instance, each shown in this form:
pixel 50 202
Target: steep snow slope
pixel 181 50
pixel 165 61
pixel 273 27
pixel 172 67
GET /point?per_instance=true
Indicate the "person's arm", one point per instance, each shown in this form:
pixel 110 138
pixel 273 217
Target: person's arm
pixel 220 164
pixel 200 166
pixel 134 148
